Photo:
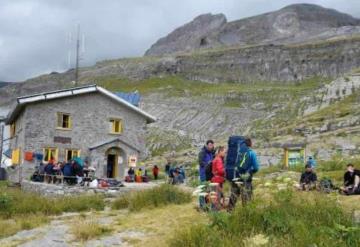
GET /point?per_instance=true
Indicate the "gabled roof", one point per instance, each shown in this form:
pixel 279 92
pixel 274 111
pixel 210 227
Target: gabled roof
pixel 24 100
pixel 103 143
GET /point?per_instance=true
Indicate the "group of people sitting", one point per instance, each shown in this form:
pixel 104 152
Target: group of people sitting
pixel 139 176
pixel 176 174
pixel 70 172
pixel 351 184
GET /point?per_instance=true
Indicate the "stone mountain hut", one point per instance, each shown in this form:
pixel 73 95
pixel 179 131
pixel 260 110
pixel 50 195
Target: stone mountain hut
pixel 89 122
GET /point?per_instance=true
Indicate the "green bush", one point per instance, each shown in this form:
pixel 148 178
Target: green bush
pixel 159 196
pixel 287 221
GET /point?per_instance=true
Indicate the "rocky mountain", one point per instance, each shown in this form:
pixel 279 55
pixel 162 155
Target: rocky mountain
pixel 296 23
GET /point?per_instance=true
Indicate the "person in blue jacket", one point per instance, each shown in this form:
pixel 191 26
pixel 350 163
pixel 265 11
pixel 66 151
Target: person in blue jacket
pixel 249 163
pixel 311 162
pixel 206 156
pixel 68 173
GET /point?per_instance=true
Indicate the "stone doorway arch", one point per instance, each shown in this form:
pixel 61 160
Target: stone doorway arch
pixel 116 162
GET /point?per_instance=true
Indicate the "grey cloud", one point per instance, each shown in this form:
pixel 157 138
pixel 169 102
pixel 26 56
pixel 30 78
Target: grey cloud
pixel 34 33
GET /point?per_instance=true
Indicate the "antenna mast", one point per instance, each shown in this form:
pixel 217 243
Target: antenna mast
pixel 77 55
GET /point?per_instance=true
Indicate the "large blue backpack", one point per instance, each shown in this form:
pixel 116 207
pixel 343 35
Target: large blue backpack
pixel 234 144
pixel 243 163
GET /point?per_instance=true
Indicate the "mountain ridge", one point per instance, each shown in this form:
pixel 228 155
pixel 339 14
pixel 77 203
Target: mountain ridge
pixel 292 24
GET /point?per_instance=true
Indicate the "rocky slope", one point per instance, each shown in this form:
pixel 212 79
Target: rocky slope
pixel 293 24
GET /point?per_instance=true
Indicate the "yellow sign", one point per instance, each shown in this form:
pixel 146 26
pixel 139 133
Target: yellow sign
pixel 15 156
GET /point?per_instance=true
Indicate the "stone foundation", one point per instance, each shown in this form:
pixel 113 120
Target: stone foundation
pixel 52 190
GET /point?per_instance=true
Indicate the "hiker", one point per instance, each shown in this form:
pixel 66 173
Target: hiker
pixel 41 171
pixel 182 172
pixel 68 173
pixel 351 181
pixel 177 177
pixel 78 170
pixel 138 176
pixel 49 172
pixel 218 169
pixel 167 168
pixel 131 174
pixel 308 179
pixel 311 162
pixel 155 172
pixel 171 175
pixel 145 177
pixel 248 165
pixel 206 156
pixel 57 172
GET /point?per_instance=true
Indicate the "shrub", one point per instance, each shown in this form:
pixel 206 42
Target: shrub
pixel 159 196
pixel 85 230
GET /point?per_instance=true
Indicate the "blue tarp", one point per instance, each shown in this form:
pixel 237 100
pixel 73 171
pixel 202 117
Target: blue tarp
pixel 132 98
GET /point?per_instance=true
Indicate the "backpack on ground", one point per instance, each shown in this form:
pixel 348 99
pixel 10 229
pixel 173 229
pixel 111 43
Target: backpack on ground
pixel 208 172
pixel 326 185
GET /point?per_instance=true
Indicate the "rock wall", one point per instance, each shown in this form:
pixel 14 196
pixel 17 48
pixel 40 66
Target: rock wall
pixel 52 190
pixel 272 62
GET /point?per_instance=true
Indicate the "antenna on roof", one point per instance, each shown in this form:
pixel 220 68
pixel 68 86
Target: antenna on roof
pixel 77 55
pixel 79 40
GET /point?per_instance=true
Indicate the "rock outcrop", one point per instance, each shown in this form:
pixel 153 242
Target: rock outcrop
pixel 190 36
pixel 293 24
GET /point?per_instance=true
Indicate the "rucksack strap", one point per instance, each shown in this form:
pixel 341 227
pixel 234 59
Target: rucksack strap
pixel 243 160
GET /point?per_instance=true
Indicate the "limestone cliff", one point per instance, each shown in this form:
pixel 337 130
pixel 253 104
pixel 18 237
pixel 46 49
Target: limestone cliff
pixel 293 24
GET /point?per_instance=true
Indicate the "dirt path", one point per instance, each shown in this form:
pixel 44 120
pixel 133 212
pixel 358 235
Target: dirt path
pixel 149 227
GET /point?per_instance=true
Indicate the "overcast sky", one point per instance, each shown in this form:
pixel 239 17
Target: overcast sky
pixel 35 34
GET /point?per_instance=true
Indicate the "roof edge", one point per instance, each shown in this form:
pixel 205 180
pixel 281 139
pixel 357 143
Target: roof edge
pixel 149 118
pixel 22 101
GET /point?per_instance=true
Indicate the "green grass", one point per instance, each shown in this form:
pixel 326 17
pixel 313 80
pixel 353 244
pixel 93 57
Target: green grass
pixel 177 85
pixel 302 219
pixel 86 230
pixel 11 226
pixel 343 108
pixel 152 198
pixel 14 202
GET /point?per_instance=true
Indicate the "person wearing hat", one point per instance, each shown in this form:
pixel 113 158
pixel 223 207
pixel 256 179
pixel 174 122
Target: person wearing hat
pixel 308 179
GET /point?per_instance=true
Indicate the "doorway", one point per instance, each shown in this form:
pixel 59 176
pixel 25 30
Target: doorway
pixel 111 168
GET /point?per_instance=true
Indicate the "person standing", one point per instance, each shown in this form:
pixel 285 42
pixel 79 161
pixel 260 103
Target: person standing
pixel 218 169
pixel 206 156
pixel 167 168
pixel 155 172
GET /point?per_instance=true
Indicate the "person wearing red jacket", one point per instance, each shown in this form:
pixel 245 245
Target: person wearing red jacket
pixel 155 171
pixel 218 169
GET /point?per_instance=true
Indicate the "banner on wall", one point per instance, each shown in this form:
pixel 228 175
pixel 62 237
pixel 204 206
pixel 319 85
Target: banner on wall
pixel 132 160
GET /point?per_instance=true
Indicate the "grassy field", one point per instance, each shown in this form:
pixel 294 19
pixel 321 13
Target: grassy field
pixel 177 85
pixel 287 219
pixel 168 216
pixel 24 211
